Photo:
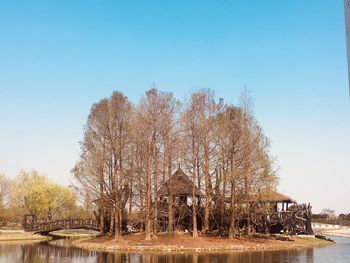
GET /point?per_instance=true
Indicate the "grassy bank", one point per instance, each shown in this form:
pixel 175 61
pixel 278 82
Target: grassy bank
pixel 184 242
pixel 18 235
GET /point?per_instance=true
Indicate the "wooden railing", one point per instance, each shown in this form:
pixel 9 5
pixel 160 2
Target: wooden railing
pixel 45 226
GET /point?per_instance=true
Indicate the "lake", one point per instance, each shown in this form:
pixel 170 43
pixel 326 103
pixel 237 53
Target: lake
pixel 62 251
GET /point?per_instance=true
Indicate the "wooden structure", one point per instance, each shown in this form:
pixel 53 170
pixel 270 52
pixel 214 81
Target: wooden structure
pixel 282 202
pixel 178 189
pixel 273 212
pixel 265 212
pixel 180 186
pixel 45 227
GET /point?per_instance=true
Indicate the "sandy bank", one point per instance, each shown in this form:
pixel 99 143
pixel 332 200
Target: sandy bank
pixel 337 233
pixel 333 230
pixel 184 242
pixel 19 235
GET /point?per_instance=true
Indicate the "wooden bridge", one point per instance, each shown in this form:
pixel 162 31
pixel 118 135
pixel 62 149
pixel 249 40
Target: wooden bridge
pixel 45 227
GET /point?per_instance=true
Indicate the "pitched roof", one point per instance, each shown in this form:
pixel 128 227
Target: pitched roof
pixel 273 196
pixel 180 185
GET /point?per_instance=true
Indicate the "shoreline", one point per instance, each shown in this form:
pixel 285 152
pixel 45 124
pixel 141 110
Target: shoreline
pixel 333 234
pixel 186 243
pixel 73 233
pixel 20 235
pixel 337 232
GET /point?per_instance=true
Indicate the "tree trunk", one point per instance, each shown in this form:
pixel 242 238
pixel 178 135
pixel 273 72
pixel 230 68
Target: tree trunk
pixel 171 199
pixel 131 186
pixel 117 232
pixel 102 208
pixel 155 219
pixel 223 201
pixel 207 188
pixel 194 216
pixel 232 229
pixel 170 214
pixel 247 196
pixel 118 188
pixel 112 223
pixel 194 212
pixel 148 199
pixel 102 221
pixel 248 220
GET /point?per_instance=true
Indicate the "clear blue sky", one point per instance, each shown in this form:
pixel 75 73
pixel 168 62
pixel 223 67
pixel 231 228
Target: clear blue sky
pixel 59 57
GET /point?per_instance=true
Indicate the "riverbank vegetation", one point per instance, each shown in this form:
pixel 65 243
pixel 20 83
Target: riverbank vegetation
pixel 32 193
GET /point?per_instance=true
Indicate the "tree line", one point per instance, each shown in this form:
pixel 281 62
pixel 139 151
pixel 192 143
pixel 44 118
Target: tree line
pixel 33 193
pixel 328 216
pixel 129 151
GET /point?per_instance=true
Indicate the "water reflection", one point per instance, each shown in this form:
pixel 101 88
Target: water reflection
pixel 246 257
pixel 43 252
pixel 62 251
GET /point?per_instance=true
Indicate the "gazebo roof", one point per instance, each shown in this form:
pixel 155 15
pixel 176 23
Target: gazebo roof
pixel 180 185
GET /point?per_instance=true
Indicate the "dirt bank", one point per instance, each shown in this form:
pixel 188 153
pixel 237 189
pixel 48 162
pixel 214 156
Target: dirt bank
pixel 184 242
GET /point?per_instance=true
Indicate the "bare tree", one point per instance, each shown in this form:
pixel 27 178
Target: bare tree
pixel 229 136
pixel 4 188
pixel 192 136
pixel 169 142
pixel 156 119
pixel 104 149
pixel 128 153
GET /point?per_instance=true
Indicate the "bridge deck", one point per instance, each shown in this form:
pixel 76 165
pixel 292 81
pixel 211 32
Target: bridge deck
pixel 44 227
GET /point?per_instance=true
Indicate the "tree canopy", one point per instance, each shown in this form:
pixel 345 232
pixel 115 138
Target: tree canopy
pixel 41 197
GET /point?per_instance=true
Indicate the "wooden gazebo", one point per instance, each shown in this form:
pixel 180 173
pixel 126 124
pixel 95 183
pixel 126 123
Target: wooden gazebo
pixel 180 186
pixel 178 190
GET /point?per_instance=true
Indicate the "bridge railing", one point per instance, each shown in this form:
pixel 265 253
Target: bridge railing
pixel 42 225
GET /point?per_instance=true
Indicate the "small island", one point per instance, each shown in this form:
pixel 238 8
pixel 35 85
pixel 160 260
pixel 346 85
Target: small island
pixel 212 131
pixel 184 242
pixel 167 175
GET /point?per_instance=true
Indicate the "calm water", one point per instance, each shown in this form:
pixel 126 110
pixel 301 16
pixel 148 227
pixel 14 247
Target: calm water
pixel 62 251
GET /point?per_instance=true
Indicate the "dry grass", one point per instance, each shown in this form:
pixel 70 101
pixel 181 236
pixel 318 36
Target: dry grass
pixel 19 235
